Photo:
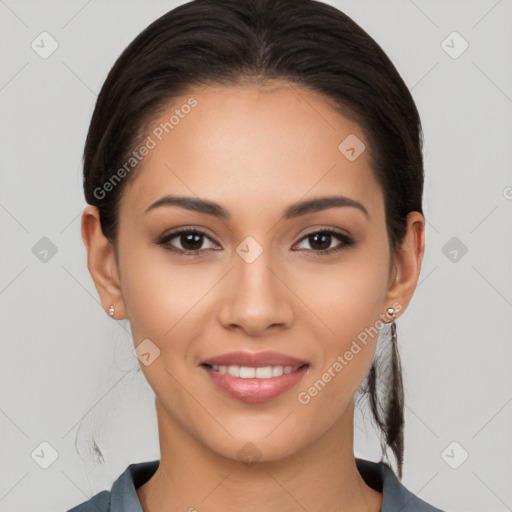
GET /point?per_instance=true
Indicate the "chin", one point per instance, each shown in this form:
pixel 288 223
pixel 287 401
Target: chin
pixel 260 447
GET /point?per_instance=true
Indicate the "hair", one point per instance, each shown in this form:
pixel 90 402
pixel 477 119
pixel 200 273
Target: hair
pixel 233 42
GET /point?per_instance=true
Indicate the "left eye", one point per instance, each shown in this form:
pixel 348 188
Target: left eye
pixel 320 241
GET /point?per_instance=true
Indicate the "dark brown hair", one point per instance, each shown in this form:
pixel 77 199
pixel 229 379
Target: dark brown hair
pixel 229 42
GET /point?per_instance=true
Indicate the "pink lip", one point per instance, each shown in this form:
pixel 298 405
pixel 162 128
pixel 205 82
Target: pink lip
pixel 254 359
pixel 256 390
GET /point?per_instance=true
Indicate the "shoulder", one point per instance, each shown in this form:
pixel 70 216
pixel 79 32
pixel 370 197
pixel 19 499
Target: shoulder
pixel 123 495
pixel 395 496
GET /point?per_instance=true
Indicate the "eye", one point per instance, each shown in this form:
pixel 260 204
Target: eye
pixel 190 240
pixel 320 242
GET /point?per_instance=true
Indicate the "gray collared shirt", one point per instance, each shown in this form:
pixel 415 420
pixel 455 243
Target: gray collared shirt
pixel 123 498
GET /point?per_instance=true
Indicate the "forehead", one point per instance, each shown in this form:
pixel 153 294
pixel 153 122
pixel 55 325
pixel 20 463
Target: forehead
pixel 266 144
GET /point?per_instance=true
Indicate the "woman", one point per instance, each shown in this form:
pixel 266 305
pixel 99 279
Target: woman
pixel 254 177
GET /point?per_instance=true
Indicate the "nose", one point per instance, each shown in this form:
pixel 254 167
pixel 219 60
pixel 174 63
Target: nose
pixel 255 298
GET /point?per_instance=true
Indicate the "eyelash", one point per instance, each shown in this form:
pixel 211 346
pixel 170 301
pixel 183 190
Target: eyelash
pixel 345 240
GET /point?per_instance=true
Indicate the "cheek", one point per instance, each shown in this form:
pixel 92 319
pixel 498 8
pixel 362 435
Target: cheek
pixel 348 299
pixel 344 355
pixel 163 303
pixel 156 293
pixel 348 296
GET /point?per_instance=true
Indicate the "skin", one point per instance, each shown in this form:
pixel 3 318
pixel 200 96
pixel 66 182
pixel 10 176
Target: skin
pixel 255 150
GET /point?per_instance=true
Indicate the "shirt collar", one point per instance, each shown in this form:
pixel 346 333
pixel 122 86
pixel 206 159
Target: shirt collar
pixel 377 475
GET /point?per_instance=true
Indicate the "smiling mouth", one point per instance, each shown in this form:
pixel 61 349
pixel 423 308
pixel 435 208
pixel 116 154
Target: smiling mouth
pixel 255 384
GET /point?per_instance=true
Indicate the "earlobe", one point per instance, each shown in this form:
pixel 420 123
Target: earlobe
pixel 407 263
pixel 101 263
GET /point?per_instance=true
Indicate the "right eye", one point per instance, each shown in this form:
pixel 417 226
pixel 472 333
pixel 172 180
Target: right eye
pixel 190 240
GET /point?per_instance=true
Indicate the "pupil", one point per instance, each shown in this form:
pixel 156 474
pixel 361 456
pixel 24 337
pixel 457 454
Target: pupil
pixel 188 241
pixel 325 241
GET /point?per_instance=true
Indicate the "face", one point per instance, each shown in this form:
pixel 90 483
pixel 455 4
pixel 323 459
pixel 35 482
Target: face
pixel 306 283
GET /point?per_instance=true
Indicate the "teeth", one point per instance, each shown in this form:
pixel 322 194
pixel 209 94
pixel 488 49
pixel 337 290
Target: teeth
pixel 249 372
pixel 277 371
pixel 264 372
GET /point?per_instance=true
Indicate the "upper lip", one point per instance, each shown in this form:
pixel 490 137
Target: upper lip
pixel 255 359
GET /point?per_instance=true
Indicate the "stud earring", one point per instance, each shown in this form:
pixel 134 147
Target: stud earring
pixel 391 312
pixel 111 311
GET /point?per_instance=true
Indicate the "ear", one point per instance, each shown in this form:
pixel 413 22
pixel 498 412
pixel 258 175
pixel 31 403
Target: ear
pixel 101 262
pixel 406 265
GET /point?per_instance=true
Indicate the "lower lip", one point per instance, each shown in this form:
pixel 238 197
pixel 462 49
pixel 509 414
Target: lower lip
pixel 255 390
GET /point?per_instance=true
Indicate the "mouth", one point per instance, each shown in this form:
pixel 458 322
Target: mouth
pixel 254 384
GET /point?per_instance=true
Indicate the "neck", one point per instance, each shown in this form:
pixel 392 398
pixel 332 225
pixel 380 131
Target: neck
pixel 321 477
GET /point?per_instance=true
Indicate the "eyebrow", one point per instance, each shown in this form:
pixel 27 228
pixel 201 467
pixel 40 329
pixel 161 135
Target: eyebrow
pixel 293 211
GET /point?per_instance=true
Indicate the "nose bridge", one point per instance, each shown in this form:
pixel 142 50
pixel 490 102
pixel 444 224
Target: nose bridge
pixel 256 298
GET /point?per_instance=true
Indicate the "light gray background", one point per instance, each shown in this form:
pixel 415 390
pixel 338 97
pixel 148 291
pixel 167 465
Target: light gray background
pixel 67 369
